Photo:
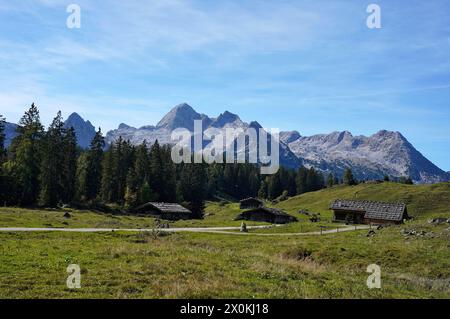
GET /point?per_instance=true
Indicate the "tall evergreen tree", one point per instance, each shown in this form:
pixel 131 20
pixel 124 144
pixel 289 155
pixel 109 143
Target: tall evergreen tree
pixel 330 180
pixel 52 164
pixel 2 140
pixel 94 159
pixel 274 186
pixel 156 171
pixel 348 177
pixel 108 175
pixel 301 180
pixel 262 192
pixel 169 182
pixel 69 165
pixel 26 156
pixel 193 186
pixel 142 164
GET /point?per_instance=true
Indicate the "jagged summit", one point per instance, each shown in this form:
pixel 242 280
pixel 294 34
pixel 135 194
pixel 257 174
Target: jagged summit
pixel 84 130
pixel 227 119
pixel 370 157
pixel 181 116
pixel 289 136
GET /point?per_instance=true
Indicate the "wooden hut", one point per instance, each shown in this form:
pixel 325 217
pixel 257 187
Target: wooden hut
pixel 368 212
pixel 169 211
pixel 251 202
pixel 269 215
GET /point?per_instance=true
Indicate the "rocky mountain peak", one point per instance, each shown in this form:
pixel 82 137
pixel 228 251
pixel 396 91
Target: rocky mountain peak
pixel 181 116
pixel 84 130
pixel 289 136
pixel 227 119
pixel 123 126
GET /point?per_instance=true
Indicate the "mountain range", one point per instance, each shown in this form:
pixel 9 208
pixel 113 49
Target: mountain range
pixel 369 157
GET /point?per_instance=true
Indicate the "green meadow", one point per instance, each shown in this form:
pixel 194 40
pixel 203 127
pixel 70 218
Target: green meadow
pixel 203 265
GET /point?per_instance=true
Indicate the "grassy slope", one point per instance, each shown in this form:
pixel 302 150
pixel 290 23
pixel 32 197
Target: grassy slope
pixel 216 215
pixel 122 265
pixel 119 265
pixel 423 201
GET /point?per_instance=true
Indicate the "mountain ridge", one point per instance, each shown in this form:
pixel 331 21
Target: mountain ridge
pixel 370 157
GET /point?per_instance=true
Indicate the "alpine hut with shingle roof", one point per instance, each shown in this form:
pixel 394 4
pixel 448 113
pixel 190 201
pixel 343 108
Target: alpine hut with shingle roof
pixel 265 214
pixel 368 212
pixel 250 202
pixel 168 211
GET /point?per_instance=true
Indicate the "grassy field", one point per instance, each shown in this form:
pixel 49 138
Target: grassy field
pixel 216 215
pixel 191 265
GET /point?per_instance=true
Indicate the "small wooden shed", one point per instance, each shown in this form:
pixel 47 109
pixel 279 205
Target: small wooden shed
pixel 265 214
pixel 368 212
pixel 251 202
pixel 169 211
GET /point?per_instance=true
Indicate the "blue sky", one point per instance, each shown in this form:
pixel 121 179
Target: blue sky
pixel 312 66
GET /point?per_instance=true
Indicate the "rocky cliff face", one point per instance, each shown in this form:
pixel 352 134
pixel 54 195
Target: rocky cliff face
pixel 183 116
pixel 369 157
pixel 383 153
pixel 10 133
pixel 84 130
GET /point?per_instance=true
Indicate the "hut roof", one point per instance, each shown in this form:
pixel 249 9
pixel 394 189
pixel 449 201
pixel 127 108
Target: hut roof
pixel 251 199
pixel 165 207
pixel 372 209
pixel 273 211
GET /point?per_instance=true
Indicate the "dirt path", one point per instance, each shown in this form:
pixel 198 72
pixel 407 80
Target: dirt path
pixel 212 230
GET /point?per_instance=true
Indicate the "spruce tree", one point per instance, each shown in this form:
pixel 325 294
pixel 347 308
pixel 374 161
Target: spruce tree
pixel 156 171
pixel 108 176
pixel 330 180
pixel 69 165
pixel 26 156
pixel 2 140
pixel 52 164
pixel 262 192
pixel 92 184
pixel 348 177
pixel 193 186
pixel 301 180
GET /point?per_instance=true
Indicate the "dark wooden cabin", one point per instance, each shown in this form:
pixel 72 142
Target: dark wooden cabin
pixel 168 211
pixel 251 202
pixel 368 212
pixel 269 215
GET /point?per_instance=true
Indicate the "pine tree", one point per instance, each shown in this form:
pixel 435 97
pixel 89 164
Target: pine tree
pixel 348 177
pixel 122 162
pixel 26 156
pixel 193 186
pixel 330 180
pixel 262 192
pixel 169 172
pixel 2 140
pixel 69 165
pixel 156 171
pixel 142 164
pixel 145 194
pixel 52 164
pixel 301 180
pixel 108 176
pixel 94 159
pixel 274 186
pixel 131 193
pixel 80 186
